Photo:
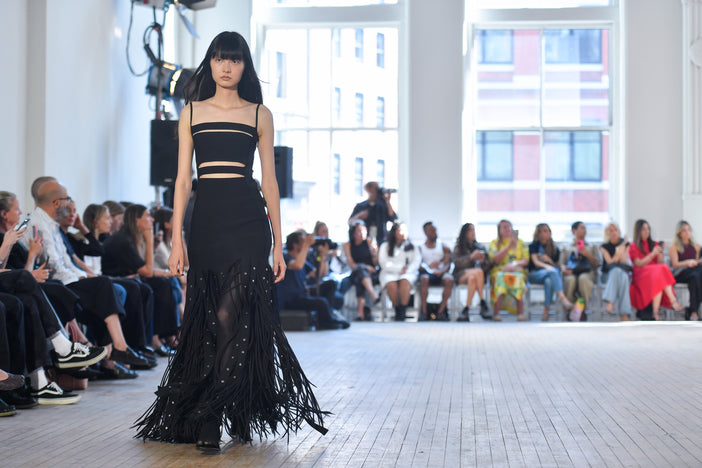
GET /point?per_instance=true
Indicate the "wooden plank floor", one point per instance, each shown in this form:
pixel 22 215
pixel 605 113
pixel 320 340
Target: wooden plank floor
pixel 430 394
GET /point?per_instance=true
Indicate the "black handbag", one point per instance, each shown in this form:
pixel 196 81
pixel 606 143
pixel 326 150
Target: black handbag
pixel 578 264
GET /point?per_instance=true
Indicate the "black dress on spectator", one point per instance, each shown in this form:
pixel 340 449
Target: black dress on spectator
pixel 121 258
pixel 693 277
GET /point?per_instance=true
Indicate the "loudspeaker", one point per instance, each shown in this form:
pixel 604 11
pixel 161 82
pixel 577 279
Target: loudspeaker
pixel 164 152
pixel 283 170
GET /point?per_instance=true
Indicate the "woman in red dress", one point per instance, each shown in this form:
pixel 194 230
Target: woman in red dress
pixel 652 282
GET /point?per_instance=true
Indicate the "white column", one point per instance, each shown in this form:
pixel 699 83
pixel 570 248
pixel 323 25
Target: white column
pixel 692 112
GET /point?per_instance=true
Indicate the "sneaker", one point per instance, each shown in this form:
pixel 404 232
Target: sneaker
pixel 52 394
pixel 522 317
pixel 496 318
pixel 81 356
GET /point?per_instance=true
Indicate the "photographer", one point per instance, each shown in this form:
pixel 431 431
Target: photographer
pixel 376 211
pixel 319 283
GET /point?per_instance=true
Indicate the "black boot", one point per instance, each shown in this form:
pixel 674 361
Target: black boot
pixel 400 313
pixel 485 310
pixel 465 315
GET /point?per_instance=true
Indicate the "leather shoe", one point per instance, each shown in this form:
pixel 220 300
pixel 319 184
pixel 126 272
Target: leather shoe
pixel 118 372
pixel 19 398
pixel 12 382
pixel 164 351
pixel 128 356
pixel 7 409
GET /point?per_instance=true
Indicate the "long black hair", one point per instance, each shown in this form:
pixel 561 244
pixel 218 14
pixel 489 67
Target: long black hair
pixel 392 240
pixel 227 45
pixel 638 226
pixel 463 247
pixel 131 215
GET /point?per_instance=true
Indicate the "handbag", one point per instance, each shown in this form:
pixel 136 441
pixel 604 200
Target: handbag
pixel 578 264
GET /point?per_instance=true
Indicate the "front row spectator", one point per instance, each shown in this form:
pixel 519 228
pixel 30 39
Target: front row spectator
pixel 434 271
pixel 685 259
pixel 292 291
pixel 509 257
pixel 362 258
pixel 470 264
pixel 579 263
pixel 129 252
pixel 615 272
pixel 543 268
pixel 651 282
pixel 399 262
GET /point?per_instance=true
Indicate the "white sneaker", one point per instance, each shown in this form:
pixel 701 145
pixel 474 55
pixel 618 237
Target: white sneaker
pixel 52 394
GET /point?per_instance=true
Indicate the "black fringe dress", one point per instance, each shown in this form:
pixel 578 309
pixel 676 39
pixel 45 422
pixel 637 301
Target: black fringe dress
pixel 233 363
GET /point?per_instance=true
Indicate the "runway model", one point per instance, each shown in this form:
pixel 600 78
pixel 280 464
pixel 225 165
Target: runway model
pixel 233 367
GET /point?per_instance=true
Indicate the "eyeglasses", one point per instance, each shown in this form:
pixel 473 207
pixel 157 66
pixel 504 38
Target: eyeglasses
pixel 66 199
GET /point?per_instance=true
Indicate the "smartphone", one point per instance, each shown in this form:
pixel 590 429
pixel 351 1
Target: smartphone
pixel 581 244
pixel 22 224
pixel 157 227
pixel 661 244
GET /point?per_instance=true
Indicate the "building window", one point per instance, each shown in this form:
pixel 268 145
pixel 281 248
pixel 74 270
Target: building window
pixel 336 104
pixel 380 50
pixel 359 45
pixel 280 89
pixel 336 174
pixel 359 108
pixel 573 156
pixel 336 42
pixel 496 46
pixel 576 46
pixel 380 112
pixel 495 156
pixel 358 176
pixel 381 172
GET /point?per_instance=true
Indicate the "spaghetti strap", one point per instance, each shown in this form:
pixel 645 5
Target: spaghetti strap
pixel 259 105
pixel 191 116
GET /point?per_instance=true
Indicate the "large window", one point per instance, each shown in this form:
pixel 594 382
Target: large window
pixel 542 120
pixel 338 114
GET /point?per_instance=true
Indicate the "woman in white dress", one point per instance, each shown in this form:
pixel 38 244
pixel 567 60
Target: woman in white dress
pixel 399 263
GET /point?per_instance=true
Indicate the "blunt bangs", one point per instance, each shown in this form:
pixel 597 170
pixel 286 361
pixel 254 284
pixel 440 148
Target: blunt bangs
pixel 227 47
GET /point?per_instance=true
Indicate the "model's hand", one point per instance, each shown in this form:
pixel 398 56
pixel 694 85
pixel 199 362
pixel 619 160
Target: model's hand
pixel 279 265
pixel 176 261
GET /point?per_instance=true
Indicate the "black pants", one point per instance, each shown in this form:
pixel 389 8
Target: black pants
pixel 357 275
pixel 98 301
pixel 137 324
pixel 12 335
pixel 310 303
pixel 65 302
pixel 693 278
pixel 165 316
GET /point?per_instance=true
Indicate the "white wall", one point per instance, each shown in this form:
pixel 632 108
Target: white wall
pixel 653 113
pixel 431 182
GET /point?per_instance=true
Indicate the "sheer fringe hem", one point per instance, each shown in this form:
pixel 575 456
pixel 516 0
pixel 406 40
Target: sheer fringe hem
pixel 261 391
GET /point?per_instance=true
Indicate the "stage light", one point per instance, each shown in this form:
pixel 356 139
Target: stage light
pixel 172 79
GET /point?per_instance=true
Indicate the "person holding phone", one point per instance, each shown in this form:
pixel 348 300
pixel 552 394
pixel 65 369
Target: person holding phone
pixel 687 266
pixel 233 364
pixel 579 262
pixel 651 281
pixel 615 272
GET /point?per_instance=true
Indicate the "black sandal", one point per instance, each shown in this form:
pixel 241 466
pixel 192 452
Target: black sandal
pixel 208 442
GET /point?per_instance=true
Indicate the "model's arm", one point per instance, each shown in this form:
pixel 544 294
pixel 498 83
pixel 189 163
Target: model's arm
pixel 176 262
pixel 269 186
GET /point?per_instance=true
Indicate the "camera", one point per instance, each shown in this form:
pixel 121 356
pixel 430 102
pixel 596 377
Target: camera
pixel 320 241
pixel 384 190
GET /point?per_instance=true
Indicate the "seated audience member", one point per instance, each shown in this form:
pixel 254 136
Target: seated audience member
pixel 320 283
pixel 163 225
pixel 292 291
pixel 375 212
pixel 362 257
pixel 139 300
pixel 100 306
pixel 470 264
pixel 434 270
pixel 129 252
pixel 64 301
pixel 399 263
pixel 116 213
pixel 579 262
pixel 615 272
pixel 509 258
pixel 651 281
pixel 687 267
pixel 543 268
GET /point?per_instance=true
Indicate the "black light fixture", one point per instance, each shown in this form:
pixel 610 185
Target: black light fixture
pixel 170 77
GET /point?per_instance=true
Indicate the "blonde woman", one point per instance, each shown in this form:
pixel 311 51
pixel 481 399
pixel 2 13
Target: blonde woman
pixel 685 259
pixel 615 271
pixel 509 257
